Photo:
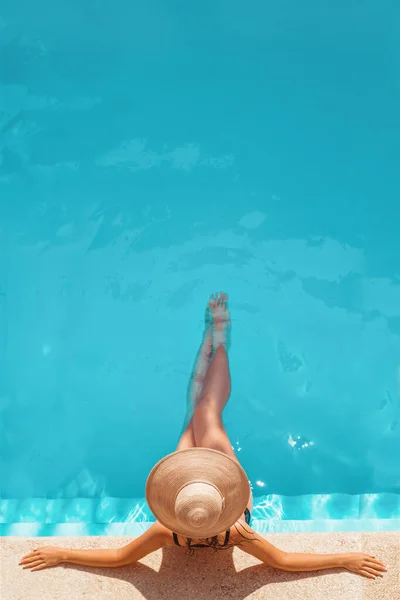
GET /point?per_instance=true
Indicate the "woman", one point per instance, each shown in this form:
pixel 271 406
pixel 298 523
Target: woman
pixel 200 494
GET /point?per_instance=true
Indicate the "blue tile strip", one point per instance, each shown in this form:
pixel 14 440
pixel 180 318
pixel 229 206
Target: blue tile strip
pixel 135 529
pixel 129 516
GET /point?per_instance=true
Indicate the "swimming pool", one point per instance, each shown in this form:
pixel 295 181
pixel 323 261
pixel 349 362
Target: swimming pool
pixel 133 188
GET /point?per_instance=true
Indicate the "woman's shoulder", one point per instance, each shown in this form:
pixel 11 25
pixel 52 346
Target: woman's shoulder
pixel 163 533
pixel 241 531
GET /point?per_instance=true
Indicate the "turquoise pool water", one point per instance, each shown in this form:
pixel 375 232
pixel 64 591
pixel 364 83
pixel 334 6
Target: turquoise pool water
pixel 150 155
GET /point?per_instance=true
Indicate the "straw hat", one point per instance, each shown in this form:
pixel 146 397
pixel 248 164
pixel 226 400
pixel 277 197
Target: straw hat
pixel 197 492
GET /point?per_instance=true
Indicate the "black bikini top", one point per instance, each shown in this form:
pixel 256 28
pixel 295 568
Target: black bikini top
pixel 247 516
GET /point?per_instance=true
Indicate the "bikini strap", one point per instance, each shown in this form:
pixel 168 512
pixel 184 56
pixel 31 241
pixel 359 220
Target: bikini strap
pixel 227 536
pixel 226 540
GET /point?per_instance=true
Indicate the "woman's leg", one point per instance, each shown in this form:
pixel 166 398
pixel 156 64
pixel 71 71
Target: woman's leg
pixel 187 439
pixel 196 383
pixel 208 427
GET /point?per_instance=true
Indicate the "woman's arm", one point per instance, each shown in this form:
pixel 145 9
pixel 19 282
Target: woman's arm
pixel 363 564
pixel 153 539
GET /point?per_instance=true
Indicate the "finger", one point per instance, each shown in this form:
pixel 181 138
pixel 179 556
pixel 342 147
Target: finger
pixel 39 568
pixel 376 565
pixel 27 556
pixel 27 561
pixel 366 574
pixel 34 564
pixel 373 559
pixel 373 571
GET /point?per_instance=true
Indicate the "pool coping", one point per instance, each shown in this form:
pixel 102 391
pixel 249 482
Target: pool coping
pixel 231 574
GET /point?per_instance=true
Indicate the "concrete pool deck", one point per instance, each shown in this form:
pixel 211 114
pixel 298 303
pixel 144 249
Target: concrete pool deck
pixel 171 575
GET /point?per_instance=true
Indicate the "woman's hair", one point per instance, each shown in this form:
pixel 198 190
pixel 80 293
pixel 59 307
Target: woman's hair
pixel 213 542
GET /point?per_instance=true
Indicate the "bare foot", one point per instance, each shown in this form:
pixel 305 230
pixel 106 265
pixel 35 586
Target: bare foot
pixel 221 319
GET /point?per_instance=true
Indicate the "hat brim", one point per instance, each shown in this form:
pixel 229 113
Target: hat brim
pixel 180 468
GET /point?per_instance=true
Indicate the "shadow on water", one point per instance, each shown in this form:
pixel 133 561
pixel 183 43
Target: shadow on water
pixel 207 574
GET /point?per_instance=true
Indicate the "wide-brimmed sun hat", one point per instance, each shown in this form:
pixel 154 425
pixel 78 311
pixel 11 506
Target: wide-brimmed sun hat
pixel 198 492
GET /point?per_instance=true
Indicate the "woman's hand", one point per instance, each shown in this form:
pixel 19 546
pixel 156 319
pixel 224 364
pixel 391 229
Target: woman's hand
pixel 363 564
pixel 41 558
